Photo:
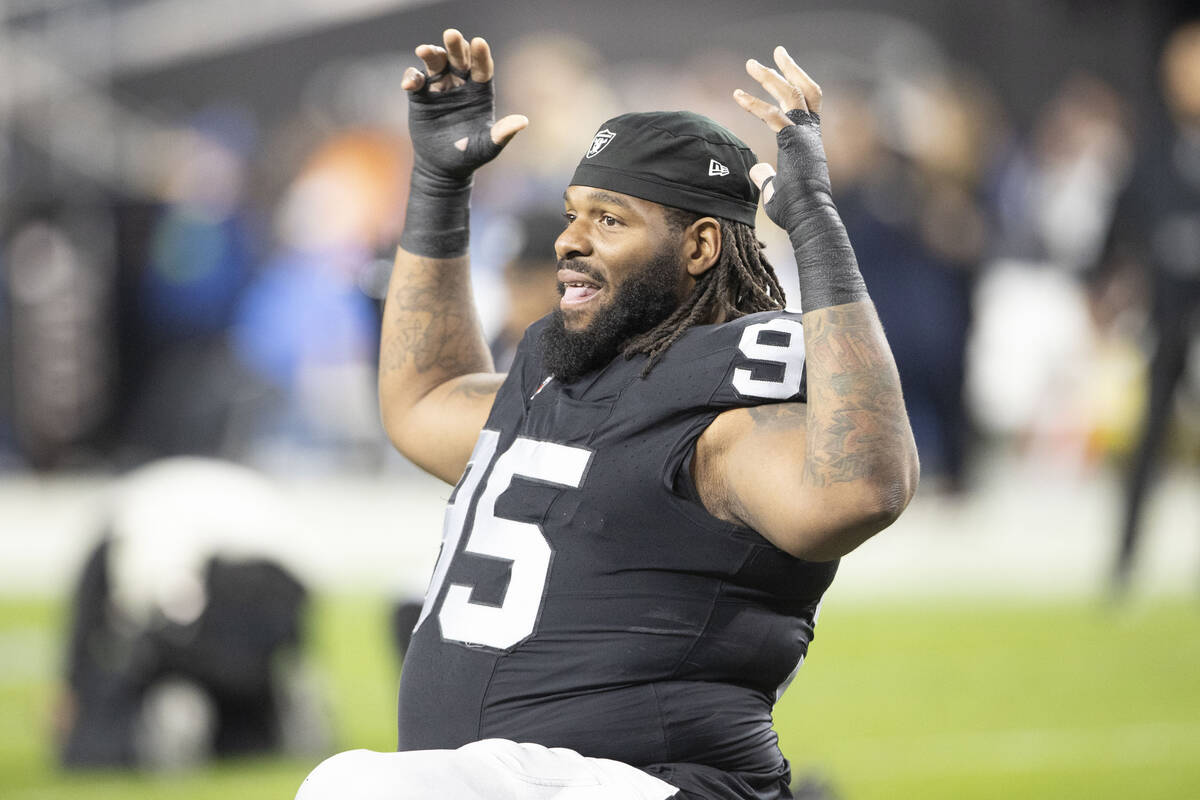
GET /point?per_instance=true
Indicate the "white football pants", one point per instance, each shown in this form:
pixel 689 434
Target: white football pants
pixel 492 769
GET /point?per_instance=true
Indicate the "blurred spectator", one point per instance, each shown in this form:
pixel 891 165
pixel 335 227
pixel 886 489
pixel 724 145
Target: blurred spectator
pixel 202 248
pixel 186 635
pixel 201 254
pixel 530 281
pixel 1057 195
pixel 911 206
pixel 1049 368
pixel 1159 226
pixel 305 325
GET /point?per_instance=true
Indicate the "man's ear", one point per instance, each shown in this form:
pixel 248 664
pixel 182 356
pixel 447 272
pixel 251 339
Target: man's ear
pixel 702 245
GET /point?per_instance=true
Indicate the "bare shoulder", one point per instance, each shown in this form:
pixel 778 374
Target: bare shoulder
pixel 775 416
pixel 479 386
pixel 465 400
pixel 741 440
pixel 445 423
pixel 732 426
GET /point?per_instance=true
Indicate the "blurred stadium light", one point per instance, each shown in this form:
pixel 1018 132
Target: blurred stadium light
pixel 141 35
pixel 59 56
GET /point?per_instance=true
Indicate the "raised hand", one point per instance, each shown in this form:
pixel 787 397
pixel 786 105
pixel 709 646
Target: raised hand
pixel 799 198
pixel 453 105
pixel 451 121
pixel 799 99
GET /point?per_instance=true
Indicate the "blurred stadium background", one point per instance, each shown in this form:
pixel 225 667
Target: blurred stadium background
pixel 198 201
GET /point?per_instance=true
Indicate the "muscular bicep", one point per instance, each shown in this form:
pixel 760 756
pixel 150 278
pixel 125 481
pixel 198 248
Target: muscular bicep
pixel 746 464
pixel 753 466
pixel 439 431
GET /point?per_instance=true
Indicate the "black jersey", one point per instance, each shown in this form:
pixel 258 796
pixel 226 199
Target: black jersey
pixel 585 599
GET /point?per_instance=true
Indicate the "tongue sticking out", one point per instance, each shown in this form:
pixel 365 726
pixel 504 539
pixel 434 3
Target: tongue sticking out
pixel 578 294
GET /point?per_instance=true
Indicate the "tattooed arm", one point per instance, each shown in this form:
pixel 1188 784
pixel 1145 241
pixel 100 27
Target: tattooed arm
pixel 436 380
pixel 818 479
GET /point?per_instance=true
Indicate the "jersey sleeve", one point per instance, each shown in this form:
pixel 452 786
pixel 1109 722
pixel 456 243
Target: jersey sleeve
pixel 750 361
pixel 764 361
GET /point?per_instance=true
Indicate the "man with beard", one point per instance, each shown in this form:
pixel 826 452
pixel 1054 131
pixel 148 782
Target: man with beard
pixel 650 505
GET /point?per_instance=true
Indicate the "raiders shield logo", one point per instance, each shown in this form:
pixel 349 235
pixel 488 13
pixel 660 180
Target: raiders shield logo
pixel 600 142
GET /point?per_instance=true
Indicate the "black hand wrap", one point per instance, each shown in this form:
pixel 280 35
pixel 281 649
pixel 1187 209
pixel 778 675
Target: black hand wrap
pixel 436 224
pixel 803 206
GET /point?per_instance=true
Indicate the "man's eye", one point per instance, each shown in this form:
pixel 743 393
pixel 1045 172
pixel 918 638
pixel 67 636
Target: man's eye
pixel 609 220
pixel 569 217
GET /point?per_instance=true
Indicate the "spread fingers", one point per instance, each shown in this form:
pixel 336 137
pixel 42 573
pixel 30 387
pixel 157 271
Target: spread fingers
pixel 433 57
pixel 789 96
pixel 413 80
pixel 768 113
pixel 481 60
pixel 457 50
pixel 797 77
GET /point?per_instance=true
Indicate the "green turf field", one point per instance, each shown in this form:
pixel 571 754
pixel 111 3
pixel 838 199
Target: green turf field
pixel 897 700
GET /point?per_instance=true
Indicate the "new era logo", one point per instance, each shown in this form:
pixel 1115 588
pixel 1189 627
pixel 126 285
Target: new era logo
pixel 717 168
pixel 600 142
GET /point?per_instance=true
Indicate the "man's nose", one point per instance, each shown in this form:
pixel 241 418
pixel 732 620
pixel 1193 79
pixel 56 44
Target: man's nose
pixel 572 242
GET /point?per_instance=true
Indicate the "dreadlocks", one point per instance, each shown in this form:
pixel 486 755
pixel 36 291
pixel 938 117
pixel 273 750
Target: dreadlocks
pixel 741 282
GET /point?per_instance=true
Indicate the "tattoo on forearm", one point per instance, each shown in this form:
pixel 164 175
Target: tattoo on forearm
pixel 430 323
pixel 857 417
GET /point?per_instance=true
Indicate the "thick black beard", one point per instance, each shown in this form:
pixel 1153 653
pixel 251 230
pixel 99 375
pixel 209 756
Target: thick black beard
pixel 642 302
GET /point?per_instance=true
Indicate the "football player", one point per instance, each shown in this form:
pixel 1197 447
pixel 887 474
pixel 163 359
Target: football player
pixel 651 503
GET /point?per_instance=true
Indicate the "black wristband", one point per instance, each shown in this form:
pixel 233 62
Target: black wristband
pixel 828 268
pixel 803 206
pixel 437 222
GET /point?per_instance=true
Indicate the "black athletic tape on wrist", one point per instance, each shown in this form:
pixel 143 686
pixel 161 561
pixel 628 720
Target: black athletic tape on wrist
pixel 803 206
pixel 437 222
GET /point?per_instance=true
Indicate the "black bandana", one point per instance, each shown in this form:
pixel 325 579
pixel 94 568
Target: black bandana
pixel 675 158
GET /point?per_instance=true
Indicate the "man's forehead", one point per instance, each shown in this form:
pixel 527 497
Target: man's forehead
pixel 576 193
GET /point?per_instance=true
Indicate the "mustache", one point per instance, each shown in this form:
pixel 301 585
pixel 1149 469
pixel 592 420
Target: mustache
pixel 583 268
